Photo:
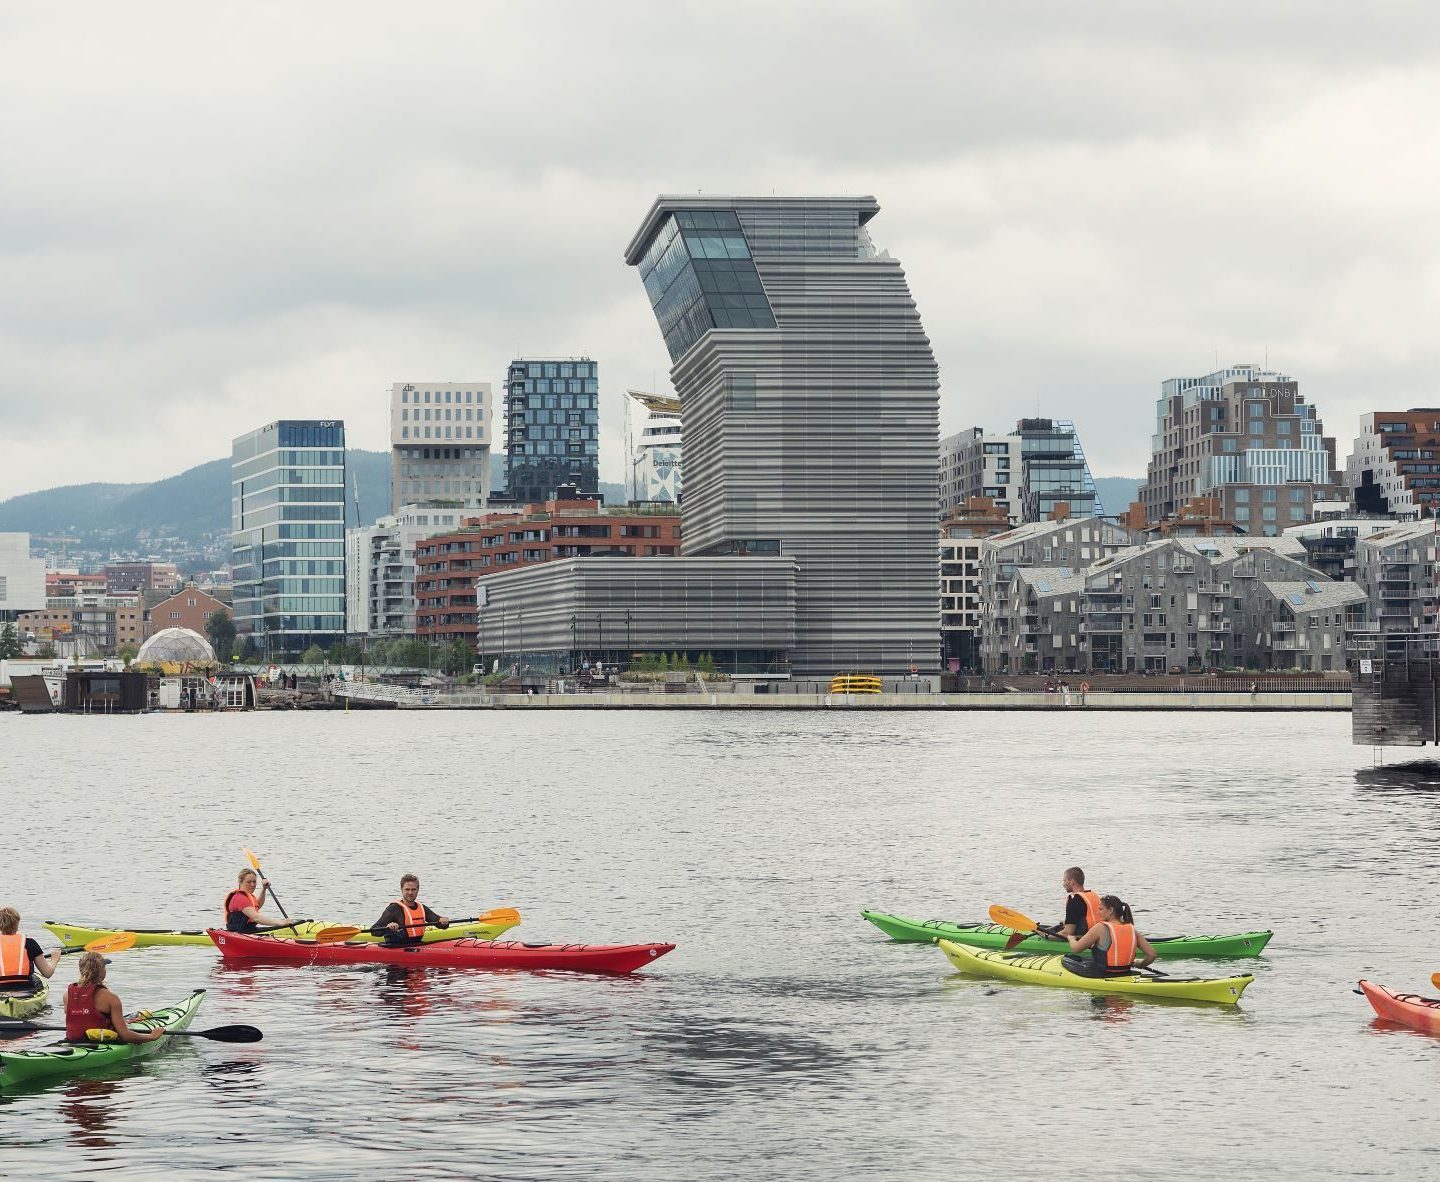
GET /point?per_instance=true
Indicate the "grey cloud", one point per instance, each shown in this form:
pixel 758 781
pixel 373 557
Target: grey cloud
pixel 213 217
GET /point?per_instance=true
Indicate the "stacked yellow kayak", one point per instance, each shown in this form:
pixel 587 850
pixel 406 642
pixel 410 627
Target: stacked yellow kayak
pixel 1031 969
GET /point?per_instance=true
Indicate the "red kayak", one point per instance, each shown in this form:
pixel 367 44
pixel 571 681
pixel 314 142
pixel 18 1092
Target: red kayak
pixel 446 954
pixel 1408 1009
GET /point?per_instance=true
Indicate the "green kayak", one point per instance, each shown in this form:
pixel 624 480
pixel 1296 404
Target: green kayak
pixel 61 1059
pixel 990 935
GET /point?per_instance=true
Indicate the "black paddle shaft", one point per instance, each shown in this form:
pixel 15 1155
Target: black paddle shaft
pixel 215 1034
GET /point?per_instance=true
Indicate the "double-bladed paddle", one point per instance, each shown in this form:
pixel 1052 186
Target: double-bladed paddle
pixel 215 1033
pixel 115 942
pixel 340 933
pixel 1024 925
pixel 255 862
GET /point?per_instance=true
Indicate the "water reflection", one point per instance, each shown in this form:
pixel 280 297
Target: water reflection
pixel 1421 777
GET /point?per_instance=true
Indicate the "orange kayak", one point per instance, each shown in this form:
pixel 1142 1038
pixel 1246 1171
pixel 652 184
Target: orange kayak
pixel 1408 1009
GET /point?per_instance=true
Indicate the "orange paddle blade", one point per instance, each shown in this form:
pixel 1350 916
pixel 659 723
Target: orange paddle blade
pixel 118 942
pixel 337 934
pixel 1007 918
pixel 1015 940
pixel 254 861
pixel 499 915
pixel 1435 980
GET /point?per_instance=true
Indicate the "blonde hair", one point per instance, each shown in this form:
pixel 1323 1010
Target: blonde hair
pixel 240 878
pixel 92 968
pixel 9 921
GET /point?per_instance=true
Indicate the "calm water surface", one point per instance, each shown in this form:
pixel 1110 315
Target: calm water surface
pixel 785 1037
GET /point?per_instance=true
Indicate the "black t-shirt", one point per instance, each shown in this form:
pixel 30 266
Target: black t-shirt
pixel 1075 915
pixel 34 952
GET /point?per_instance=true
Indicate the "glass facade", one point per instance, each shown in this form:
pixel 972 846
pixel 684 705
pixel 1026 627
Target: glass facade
pixel 288 535
pixel 699 275
pixel 552 422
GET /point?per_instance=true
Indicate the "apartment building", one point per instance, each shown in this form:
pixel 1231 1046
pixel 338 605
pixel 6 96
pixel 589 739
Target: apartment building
pixel 440 440
pixel 1030 473
pixel 1394 468
pixel 1396 568
pixel 960 583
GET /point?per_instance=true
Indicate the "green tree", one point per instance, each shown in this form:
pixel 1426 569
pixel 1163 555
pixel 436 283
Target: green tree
pixel 343 653
pixel 458 658
pixel 128 653
pixel 220 628
pixel 314 655
pixel 9 642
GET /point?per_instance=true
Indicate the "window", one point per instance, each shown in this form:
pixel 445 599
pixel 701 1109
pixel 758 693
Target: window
pixel 1269 494
pixel 1268 513
pixel 1297 495
pixel 174 615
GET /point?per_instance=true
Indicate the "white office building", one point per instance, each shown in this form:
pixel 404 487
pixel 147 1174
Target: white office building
pixel 380 590
pixel 440 439
pixel 652 434
pixel 22 578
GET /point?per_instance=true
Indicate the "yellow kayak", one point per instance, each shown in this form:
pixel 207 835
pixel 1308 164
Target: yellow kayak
pixel 74 935
pixel 1049 970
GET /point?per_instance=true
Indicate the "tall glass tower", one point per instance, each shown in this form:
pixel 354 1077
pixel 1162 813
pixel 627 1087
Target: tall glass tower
pixel 552 426
pixel 799 357
pixel 287 535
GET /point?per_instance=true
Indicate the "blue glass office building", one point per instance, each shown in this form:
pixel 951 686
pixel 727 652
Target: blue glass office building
pixel 552 426
pixel 288 535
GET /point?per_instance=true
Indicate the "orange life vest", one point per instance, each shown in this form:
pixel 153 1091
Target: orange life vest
pixel 1092 908
pixel 235 903
pixel 414 925
pixel 14 960
pixel 1121 953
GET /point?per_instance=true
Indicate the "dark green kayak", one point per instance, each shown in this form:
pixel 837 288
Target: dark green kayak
pixel 62 1059
pixel 990 935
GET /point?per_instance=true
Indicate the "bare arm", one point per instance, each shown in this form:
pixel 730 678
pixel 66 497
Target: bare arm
pixel 254 916
pixel 46 965
pixel 108 1003
pixel 1146 949
pixel 1085 941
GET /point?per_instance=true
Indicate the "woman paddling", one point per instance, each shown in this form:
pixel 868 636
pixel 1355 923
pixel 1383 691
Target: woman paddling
pixel 1111 943
pixel 21 957
pixel 91 1006
pixel 242 905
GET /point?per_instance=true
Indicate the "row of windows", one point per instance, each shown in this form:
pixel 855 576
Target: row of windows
pixel 570 389
pixel 441 433
pixel 441 395
pixel 442 414
pixel 555 369
pixel 543 448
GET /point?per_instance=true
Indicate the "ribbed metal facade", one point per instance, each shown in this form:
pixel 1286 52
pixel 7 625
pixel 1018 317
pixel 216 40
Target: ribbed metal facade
pixel 740 611
pixel 783 424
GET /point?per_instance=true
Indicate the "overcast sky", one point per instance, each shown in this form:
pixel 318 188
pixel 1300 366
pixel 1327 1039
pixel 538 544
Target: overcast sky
pixel 215 216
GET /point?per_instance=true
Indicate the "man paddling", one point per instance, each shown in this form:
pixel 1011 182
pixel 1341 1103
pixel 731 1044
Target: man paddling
pixel 404 921
pixel 89 1005
pixel 21 957
pixel 1082 907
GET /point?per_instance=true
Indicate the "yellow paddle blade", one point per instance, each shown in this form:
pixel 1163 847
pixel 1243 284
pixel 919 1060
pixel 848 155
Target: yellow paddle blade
pixel 254 861
pixel 116 942
pixel 1011 919
pixel 337 934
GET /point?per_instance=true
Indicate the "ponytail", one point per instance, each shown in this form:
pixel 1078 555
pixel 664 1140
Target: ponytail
pixel 1119 908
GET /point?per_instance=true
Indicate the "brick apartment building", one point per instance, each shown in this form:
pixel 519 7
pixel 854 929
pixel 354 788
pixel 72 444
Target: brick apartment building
pixel 448 565
pixel 189 608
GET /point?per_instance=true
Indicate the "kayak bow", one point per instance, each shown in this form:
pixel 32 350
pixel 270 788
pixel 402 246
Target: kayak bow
pixel 1406 1009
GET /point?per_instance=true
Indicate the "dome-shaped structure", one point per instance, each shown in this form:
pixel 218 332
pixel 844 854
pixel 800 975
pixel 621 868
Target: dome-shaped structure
pixel 175 646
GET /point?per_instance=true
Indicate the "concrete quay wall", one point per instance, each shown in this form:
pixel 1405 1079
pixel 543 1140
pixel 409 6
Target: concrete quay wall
pixel 1339 702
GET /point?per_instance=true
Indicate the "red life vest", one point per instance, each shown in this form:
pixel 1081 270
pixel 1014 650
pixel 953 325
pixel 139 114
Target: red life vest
pixel 80 1012
pixel 14 960
pixel 237 901
pixel 414 925
pixel 1092 908
pixel 1121 953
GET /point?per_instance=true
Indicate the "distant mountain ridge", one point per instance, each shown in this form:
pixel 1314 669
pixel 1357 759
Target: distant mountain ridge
pixel 1117 492
pixel 188 512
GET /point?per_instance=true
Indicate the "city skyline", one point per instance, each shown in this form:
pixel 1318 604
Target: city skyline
pixel 1073 242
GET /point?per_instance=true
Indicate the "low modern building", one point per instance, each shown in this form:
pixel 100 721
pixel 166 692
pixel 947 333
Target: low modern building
pixel 133 578
pixel 447 565
pixel 1306 624
pixel 1245 437
pixel 1397 568
pixel 380 560
pixel 440 440
pixel 960 583
pixel 736 613
pixel 86 625
pixel 1394 469
pixel 22 578
pixel 552 427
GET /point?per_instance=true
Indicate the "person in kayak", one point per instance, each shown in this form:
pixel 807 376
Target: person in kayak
pixel 21 956
pixel 405 919
pixel 242 905
pixel 89 1005
pixel 1111 943
pixel 1082 907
